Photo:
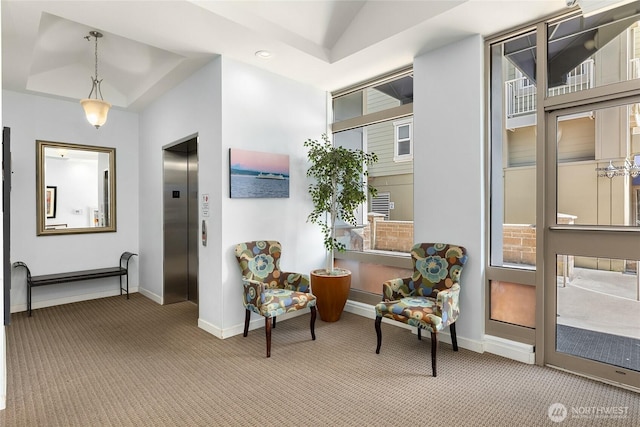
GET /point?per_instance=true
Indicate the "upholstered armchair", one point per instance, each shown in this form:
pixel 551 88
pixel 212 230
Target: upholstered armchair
pixel 428 299
pixel 268 291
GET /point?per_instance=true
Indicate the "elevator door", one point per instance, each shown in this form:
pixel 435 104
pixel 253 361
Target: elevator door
pixel 181 222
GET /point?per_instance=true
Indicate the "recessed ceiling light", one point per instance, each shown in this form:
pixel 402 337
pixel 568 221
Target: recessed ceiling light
pixel 263 54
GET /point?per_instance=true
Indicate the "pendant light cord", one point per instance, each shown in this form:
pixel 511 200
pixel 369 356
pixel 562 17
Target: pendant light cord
pixel 96 54
pixel 95 82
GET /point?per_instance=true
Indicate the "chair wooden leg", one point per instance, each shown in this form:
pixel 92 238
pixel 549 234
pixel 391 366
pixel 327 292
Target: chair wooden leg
pixel 434 350
pixel 312 323
pixel 267 331
pixel 454 338
pixel 378 333
pixel 247 318
pixel 420 334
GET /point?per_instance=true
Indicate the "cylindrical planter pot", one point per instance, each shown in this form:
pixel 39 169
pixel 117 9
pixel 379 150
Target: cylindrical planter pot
pixel 331 292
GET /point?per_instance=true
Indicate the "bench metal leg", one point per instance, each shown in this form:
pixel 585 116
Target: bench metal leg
pixel 126 257
pixel 127 281
pixel 29 298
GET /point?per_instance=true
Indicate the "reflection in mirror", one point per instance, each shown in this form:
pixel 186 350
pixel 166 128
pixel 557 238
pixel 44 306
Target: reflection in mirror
pixel 75 188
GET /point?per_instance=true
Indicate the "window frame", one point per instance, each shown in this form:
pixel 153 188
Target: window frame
pixel 545 104
pixel 397 140
pixel 400 114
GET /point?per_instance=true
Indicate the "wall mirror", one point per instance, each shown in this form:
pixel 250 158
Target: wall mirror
pixel 75 188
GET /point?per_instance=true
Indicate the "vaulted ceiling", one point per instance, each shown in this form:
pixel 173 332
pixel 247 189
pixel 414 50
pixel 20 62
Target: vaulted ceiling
pixel 150 46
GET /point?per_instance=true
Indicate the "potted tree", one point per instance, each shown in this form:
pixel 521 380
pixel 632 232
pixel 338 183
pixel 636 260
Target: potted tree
pixel 339 189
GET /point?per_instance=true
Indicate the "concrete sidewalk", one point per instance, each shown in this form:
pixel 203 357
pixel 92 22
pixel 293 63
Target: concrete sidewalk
pixel 602 301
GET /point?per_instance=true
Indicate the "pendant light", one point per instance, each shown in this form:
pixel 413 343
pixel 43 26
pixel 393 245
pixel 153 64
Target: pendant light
pixel 95 109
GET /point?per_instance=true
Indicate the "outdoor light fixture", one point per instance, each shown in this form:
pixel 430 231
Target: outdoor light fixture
pixel 627 169
pixel 95 109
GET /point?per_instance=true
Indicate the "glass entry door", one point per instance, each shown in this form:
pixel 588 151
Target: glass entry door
pixel 592 237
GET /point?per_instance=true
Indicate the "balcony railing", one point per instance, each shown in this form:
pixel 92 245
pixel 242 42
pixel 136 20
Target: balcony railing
pixel 580 78
pixel 520 97
pixel 520 93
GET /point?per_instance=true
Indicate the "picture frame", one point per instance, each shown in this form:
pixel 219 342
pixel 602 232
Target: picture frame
pixel 255 174
pixel 79 172
pixel 51 201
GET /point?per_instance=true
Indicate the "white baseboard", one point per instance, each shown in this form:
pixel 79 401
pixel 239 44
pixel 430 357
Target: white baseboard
pixel 212 329
pixel 69 299
pixel 153 297
pixel 361 309
pixel 510 349
pixel 495 345
pixel 237 329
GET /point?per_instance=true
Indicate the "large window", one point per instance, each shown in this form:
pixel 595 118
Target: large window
pixel 582 53
pixel 377 116
pixel 564 185
pixel 513 152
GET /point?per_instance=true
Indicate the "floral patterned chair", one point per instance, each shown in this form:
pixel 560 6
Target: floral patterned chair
pixel 269 291
pixel 428 299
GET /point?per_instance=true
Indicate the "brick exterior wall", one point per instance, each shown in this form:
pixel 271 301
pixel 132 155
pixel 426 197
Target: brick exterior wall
pixel 394 236
pixel 519 240
pixel 519 244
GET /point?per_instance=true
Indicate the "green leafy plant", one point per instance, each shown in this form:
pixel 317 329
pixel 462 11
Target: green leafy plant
pixel 339 188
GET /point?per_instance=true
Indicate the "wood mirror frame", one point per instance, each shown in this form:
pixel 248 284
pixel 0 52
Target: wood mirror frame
pixel 78 192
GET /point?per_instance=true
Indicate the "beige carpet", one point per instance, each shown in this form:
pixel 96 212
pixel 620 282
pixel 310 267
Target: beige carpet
pixel 113 362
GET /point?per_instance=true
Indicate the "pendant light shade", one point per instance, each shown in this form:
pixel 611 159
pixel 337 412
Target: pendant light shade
pixel 95 109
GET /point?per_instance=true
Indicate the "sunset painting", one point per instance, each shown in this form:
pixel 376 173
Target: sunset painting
pixel 258 174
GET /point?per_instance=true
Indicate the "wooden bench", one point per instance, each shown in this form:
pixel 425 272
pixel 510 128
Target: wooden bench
pixel 51 279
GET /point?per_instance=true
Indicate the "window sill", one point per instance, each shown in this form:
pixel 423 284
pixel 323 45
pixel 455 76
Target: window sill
pixel 391 259
pixel 402 159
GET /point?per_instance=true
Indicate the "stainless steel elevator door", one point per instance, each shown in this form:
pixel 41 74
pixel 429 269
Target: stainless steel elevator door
pixel 192 291
pixel 181 223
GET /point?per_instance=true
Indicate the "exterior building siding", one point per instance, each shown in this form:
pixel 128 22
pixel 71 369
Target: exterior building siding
pixel 386 174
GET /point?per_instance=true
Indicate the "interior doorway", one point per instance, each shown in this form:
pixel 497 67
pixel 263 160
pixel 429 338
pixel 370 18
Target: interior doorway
pixel 180 195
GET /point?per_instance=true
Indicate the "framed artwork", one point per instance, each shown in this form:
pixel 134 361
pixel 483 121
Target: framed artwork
pixel 254 174
pixel 50 201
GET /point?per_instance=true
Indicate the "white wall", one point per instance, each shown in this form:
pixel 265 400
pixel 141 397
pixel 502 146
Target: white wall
pixel 266 112
pixel 192 107
pixel 229 104
pixel 31 118
pixel 449 164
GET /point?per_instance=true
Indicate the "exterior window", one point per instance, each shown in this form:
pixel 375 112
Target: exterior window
pixel 403 141
pixel 587 190
pixel 513 153
pixel 377 116
pixel 511 275
pixel 584 52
